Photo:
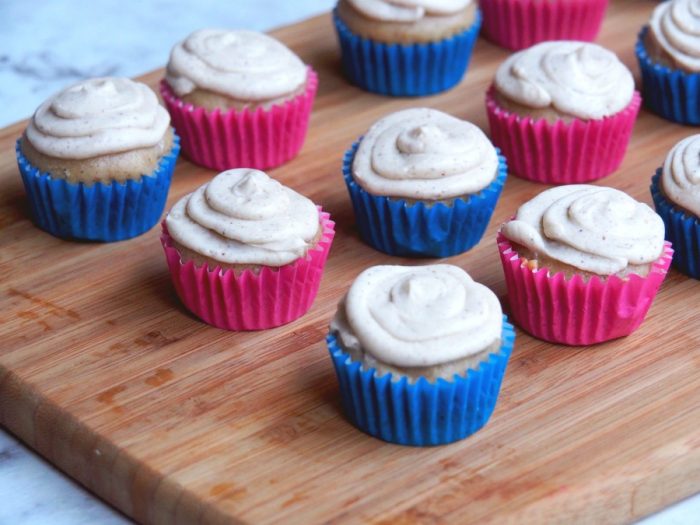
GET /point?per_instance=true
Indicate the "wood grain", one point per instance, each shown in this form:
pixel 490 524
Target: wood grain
pixel 104 373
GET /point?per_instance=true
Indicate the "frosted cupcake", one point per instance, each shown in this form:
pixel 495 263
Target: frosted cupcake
pixel 423 183
pixel 582 263
pixel 562 112
pixel 238 99
pixel 246 252
pixel 96 160
pixel 517 24
pixel 406 48
pixel 668 50
pixel 676 191
pixel 420 352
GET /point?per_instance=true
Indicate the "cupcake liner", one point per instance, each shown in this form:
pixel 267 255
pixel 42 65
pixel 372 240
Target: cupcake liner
pixel 260 138
pixel 406 70
pixel 670 93
pixel 561 153
pixel 682 230
pixel 517 24
pixel 248 300
pixel 98 212
pixel 421 413
pixel 575 311
pixel 393 226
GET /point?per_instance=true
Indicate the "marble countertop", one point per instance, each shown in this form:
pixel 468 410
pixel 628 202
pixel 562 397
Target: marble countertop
pixel 43 48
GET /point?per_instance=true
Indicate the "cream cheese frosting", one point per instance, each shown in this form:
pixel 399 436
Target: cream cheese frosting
pixel 676 26
pixel 576 78
pixel 422 153
pixel 418 316
pixel 680 179
pixel 242 216
pixel 99 116
pixel 244 65
pixel 407 10
pixel 593 228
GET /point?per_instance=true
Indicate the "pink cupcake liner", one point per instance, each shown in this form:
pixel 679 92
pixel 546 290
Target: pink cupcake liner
pixel 517 24
pixel 249 301
pixel 561 153
pixel 260 138
pixel 574 311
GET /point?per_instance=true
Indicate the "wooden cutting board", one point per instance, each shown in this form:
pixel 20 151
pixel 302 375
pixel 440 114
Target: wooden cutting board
pixel 105 374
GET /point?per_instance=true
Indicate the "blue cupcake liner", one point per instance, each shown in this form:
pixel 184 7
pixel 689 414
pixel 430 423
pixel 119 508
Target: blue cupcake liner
pixel 395 227
pixel 97 212
pixel 421 413
pixel 682 230
pixel 406 70
pixel 671 93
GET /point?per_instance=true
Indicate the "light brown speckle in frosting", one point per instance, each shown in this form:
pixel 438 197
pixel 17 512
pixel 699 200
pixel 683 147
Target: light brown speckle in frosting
pixel 407 10
pixel 680 179
pixel 96 117
pixel 676 27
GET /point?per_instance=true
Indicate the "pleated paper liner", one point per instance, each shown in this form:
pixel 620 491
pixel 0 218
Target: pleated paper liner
pixel 260 138
pixel 395 227
pixel 517 24
pixel 575 311
pixel 406 70
pixel 561 153
pixel 422 413
pixel 670 93
pixel 250 301
pixel 104 212
pixel 682 230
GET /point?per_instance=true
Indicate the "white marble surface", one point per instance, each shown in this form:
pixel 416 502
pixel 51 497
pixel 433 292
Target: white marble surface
pixel 45 45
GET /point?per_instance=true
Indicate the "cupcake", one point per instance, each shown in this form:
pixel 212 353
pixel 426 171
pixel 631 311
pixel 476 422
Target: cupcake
pixel 246 252
pixel 562 112
pixel 96 160
pixel 420 353
pixel 238 99
pixel 582 263
pixel 517 24
pixel 668 51
pixel 676 191
pixel 423 183
pixel 402 48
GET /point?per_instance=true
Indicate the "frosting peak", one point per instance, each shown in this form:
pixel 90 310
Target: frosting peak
pixel 680 178
pixel 407 10
pixel 676 26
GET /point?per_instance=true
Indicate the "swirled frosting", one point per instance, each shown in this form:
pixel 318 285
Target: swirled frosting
pixel 407 10
pixel 417 316
pixel 243 65
pixel 242 216
pixel 680 178
pixel 676 26
pixel 99 116
pixel 593 228
pixel 423 153
pixel 576 78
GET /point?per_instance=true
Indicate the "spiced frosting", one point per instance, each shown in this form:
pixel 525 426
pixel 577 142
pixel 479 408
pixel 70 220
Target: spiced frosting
pixel 680 179
pixel 675 26
pixel 407 10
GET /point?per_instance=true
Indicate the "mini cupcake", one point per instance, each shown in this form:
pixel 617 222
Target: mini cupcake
pixel 423 183
pixel 668 50
pixel 583 263
pixel 420 353
pixel 517 24
pixel 562 112
pixel 245 252
pixel 401 48
pixel 96 160
pixel 676 192
pixel 238 99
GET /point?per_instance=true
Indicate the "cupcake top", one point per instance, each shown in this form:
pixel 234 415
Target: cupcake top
pixel 579 79
pixel 592 228
pixel 96 117
pixel 675 26
pixel 242 216
pixel 407 10
pixel 424 154
pixel 242 65
pixel 680 179
pixel 418 316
